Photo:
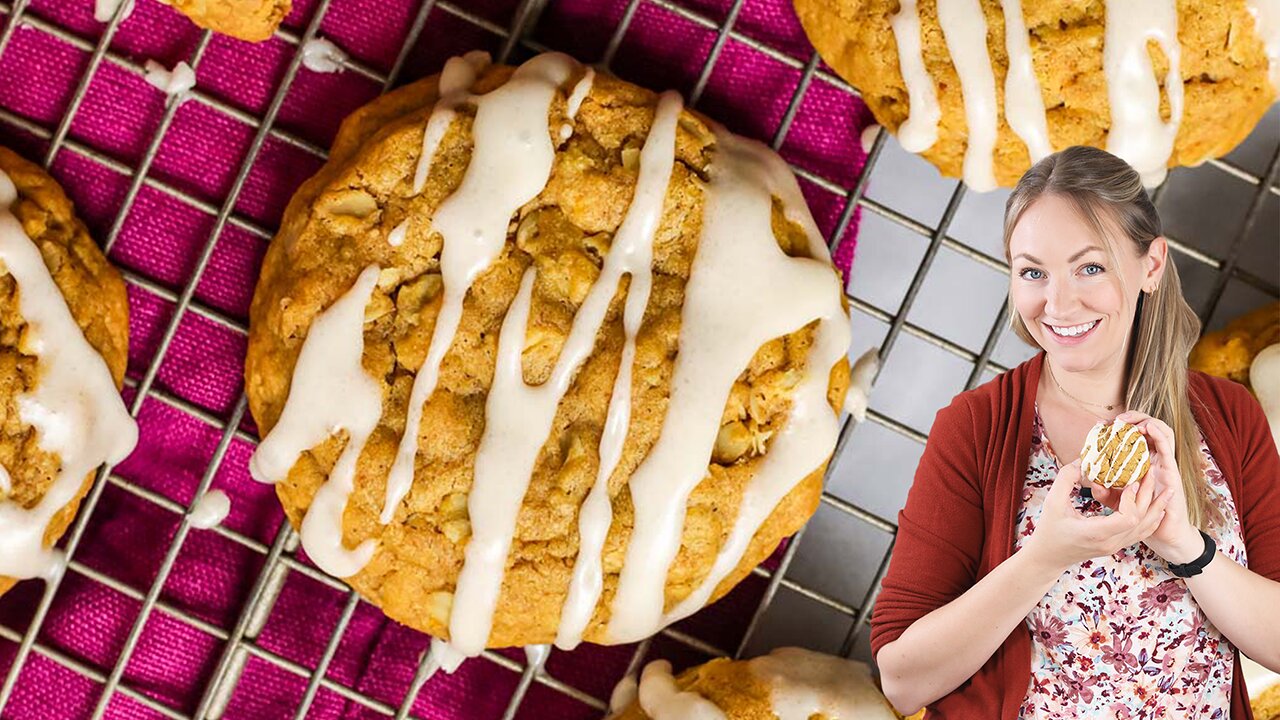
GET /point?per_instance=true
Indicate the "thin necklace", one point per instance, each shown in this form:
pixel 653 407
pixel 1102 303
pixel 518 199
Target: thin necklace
pixel 1073 397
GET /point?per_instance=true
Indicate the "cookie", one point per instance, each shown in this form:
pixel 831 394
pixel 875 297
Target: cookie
pixel 1264 689
pixel 1266 706
pixel 1264 380
pixel 251 20
pixel 788 682
pixel 1115 454
pixel 1158 84
pixel 541 356
pixel 1230 352
pixel 64 334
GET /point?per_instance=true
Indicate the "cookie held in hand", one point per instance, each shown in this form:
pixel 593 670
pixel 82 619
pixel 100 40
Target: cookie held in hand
pixel 1115 455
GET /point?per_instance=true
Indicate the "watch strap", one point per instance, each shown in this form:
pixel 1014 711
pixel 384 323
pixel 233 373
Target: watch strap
pixel 1195 567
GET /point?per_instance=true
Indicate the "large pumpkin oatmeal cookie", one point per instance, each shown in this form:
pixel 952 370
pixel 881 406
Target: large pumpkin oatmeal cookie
pixel 541 356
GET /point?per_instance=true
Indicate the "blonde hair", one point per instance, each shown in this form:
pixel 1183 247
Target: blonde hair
pixel 1102 187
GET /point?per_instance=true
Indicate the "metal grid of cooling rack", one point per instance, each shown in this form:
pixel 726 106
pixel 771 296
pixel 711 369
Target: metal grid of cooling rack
pixel 280 558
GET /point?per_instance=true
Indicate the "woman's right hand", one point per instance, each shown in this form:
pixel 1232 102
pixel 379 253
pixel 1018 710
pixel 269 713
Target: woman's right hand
pixel 1064 536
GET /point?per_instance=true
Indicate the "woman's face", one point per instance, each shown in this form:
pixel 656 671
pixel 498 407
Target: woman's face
pixel 1074 302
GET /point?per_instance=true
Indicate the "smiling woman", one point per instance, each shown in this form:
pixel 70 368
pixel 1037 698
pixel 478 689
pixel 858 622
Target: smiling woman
pixel 1104 258
pixel 1116 602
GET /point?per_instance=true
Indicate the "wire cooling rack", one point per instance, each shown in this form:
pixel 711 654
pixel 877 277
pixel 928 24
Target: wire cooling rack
pixel 518 35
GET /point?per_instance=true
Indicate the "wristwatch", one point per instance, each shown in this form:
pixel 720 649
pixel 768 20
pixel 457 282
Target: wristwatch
pixel 1195 567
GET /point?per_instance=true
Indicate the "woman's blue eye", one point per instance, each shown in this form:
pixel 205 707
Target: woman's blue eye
pixel 1093 269
pixel 1031 274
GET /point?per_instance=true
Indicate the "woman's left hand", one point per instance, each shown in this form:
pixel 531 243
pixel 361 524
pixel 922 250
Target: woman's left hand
pixel 1175 539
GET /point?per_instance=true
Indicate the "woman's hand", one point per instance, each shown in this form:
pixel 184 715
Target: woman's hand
pixel 1064 536
pixel 1175 539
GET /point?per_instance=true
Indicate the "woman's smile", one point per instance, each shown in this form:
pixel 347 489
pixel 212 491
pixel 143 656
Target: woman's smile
pixel 1072 334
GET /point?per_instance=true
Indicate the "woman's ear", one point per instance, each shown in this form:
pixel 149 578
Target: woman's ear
pixel 1157 257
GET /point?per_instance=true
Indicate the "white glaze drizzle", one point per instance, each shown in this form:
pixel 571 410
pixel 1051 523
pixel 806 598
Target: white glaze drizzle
pixel 440 655
pixel 536 656
pixel 632 254
pixel 1264 377
pixel 624 693
pixel 398 233
pixel 171 82
pixel 742 292
pixel 503 468
pixel 446 655
pixel 509 166
pixel 459 74
pixel 322 56
pixel 861 378
pixel 580 92
pixel 868 137
pixel 6 483
pixel 803 683
pixel 965 31
pixel 210 510
pixel 1266 21
pixel 662 700
pixel 1023 101
pixel 1137 134
pixel 518 417
pixel 330 392
pixel 1095 451
pixel 56 568
pixel 74 408
pixel 103 10
pixel 920 130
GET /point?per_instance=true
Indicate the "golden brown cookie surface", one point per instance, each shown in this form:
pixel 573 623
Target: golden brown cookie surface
pixel 94 293
pixel 1223 66
pixel 251 20
pixel 726 683
pixel 1229 352
pixel 340 221
pixel 1266 706
pixel 789 679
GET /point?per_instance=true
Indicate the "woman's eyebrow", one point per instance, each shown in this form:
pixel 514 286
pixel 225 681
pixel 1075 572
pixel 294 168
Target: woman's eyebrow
pixel 1073 258
pixel 1084 252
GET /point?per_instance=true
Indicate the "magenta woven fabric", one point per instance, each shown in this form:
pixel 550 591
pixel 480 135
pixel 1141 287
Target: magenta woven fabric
pixel 160 244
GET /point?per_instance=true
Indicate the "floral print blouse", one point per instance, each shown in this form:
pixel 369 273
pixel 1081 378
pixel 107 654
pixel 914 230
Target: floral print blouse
pixel 1120 636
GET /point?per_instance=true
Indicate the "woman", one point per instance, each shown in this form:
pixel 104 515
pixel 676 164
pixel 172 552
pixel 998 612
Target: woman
pixel 1012 594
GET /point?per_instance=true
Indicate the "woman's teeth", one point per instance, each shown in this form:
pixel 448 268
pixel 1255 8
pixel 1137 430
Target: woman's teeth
pixel 1073 330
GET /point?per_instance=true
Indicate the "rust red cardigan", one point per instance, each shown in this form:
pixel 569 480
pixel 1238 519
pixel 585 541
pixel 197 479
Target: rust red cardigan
pixel 959 519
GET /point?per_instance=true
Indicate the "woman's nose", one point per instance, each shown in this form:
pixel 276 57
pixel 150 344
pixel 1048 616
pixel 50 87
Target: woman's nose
pixel 1060 299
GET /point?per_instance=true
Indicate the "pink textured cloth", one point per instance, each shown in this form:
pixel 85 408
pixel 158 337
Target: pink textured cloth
pixel 161 241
